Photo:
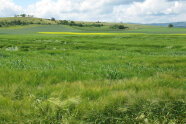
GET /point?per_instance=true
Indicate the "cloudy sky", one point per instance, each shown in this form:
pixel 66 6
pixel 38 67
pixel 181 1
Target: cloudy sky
pixel 134 11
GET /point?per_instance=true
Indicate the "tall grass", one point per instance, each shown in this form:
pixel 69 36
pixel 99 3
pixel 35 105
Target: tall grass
pixel 92 79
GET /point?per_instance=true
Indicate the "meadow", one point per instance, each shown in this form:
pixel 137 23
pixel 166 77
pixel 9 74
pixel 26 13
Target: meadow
pixel 136 76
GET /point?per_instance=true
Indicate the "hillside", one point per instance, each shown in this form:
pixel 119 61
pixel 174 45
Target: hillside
pixel 13 21
pixel 25 20
pixel 30 25
pixel 176 24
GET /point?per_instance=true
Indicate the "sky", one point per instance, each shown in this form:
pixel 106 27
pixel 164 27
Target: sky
pixel 133 11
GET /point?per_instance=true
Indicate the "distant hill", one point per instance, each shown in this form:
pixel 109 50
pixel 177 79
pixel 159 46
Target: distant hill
pixel 176 24
pixel 24 21
pixel 89 26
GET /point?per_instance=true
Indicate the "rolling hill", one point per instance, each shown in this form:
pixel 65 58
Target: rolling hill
pixel 176 24
pixel 31 25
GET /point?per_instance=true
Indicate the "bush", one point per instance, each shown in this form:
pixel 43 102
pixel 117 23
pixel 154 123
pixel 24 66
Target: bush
pixel 23 15
pixel 53 19
pixel 80 25
pixel 170 25
pixel 63 22
pixel 118 27
pixel 72 23
pixel 97 25
pixel 121 27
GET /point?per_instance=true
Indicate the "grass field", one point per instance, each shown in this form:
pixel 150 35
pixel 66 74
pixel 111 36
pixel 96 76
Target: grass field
pixel 105 79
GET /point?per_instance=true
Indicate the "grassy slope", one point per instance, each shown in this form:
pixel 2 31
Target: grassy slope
pixel 91 79
pixel 28 19
pixel 176 24
pixel 31 29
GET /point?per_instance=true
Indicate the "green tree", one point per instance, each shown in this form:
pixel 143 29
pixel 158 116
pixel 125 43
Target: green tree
pixel 53 19
pixel 23 15
pixel 72 23
pixel 121 27
pixel 118 26
pixel 170 25
pixel 64 22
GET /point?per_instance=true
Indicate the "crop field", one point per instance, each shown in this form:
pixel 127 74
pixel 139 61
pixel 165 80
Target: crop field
pixel 67 75
pixel 74 33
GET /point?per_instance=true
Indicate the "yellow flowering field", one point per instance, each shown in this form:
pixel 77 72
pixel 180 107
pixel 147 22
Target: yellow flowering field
pixel 74 33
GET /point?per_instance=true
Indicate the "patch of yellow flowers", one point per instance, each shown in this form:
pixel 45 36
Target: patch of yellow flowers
pixel 73 33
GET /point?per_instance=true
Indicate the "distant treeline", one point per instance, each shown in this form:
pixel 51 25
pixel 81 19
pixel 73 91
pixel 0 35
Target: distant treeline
pixel 27 20
pixel 116 26
pixel 97 24
pixel 72 23
pixel 14 22
pixel 6 23
pixel 17 22
pixel 23 15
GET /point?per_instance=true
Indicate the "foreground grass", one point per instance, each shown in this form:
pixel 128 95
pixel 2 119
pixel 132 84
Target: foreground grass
pixel 154 100
pixel 92 79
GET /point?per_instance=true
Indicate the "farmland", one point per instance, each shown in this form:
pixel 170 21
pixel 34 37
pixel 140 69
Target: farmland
pixel 67 74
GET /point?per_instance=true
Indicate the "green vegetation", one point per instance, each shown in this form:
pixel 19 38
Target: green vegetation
pixel 72 23
pixel 23 19
pixel 118 26
pixel 170 25
pixel 12 21
pixel 53 19
pixel 106 79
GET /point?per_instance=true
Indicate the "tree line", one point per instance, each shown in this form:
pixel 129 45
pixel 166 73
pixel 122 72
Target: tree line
pixel 17 21
pixel 73 23
pixel 23 15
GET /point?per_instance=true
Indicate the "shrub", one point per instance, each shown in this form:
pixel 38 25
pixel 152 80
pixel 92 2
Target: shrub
pixel 121 27
pixel 63 22
pixel 72 23
pixel 170 25
pixel 80 25
pixel 23 15
pixel 53 19
pixel 118 27
pixel 97 25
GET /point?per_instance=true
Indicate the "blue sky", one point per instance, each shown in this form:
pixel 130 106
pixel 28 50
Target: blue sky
pixel 24 3
pixel 135 11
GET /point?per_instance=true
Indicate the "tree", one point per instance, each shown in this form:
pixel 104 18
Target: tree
pixel 53 19
pixel 64 22
pixel 23 15
pixel 121 27
pixel 72 23
pixel 31 16
pixel 118 26
pixel 170 25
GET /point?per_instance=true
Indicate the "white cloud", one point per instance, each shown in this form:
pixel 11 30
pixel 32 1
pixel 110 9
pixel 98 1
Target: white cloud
pixel 144 11
pixel 153 11
pixel 88 10
pixel 8 8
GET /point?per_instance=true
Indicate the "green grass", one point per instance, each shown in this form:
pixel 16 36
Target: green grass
pixel 92 78
pixel 33 29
